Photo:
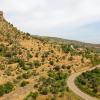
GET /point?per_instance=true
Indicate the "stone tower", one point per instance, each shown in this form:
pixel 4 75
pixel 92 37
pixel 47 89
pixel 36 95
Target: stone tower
pixel 1 19
pixel 1 15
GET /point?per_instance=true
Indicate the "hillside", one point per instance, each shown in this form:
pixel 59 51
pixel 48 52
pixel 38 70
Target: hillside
pixel 66 41
pixel 39 62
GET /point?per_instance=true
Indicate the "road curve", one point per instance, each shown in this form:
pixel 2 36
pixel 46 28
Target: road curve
pixel 75 89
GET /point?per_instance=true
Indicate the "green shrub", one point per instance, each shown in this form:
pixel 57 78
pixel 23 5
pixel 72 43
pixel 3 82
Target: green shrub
pixel 26 75
pixel 7 72
pixel 8 87
pixel 29 56
pixel 66 48
pixel 21 63
pixel 24 83
pixel 1 90
pixel 36 63
pixel 8 54
pixel 44 90
pixel 32 96
pixel 2 67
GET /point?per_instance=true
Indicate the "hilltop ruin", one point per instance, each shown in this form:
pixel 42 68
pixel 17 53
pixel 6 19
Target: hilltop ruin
pixel 1 15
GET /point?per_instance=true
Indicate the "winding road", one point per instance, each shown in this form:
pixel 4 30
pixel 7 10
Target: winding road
pixel 75 89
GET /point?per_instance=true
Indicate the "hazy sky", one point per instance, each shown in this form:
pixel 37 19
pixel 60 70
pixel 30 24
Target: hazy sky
pixel 70 19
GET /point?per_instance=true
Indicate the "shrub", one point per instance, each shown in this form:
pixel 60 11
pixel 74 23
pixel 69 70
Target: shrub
pixel 8 54
pixel 29 56
pixel 21 63
pixel 70 58
pixel 8 87
pixel 2 67
pixel 8 72
pixel 66 48
pixel 36 63
pixel 51 62
pixel 24 83
pixel 26 75
pixel 57 67
pixel 29 65
pixel 32 96
pixel 13 60
pixel 1 90
pixel 44 90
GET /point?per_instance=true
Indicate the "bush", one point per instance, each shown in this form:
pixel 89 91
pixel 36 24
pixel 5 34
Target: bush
pixel 2 67
pixel 29 56
pixel 8 54
pixel 44 90
pixel 21 63
pixel 1 90
pixel 51 62
pixel 70 58
pixel 13 60
pixel 32 96
pixel 66 48
pixel 29 65
pixel 24 83
pixel 6 88
pixel 26 75
pixel 8 72
pixel 36 63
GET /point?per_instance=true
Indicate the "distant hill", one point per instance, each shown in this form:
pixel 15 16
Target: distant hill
pixel 66 41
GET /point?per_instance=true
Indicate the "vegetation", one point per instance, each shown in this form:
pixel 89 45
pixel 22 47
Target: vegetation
pixel 32 96
pixel 6 88
pixel 41 61
pixel 66 48
pixel 24 83
pixel 55 83
pixel 89 82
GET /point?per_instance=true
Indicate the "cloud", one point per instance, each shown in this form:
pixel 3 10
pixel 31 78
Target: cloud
pixel 46 16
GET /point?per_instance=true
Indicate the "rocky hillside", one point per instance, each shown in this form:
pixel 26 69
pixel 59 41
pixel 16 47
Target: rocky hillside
pixel 45 64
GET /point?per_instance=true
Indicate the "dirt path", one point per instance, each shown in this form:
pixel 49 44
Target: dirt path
pixel 75 89
pixel 18 94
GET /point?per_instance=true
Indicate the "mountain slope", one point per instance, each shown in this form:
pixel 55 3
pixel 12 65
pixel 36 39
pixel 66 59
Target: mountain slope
pixel 66 41
pixel 42 62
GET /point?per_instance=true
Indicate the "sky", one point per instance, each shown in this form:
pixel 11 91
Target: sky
pixel 69 19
